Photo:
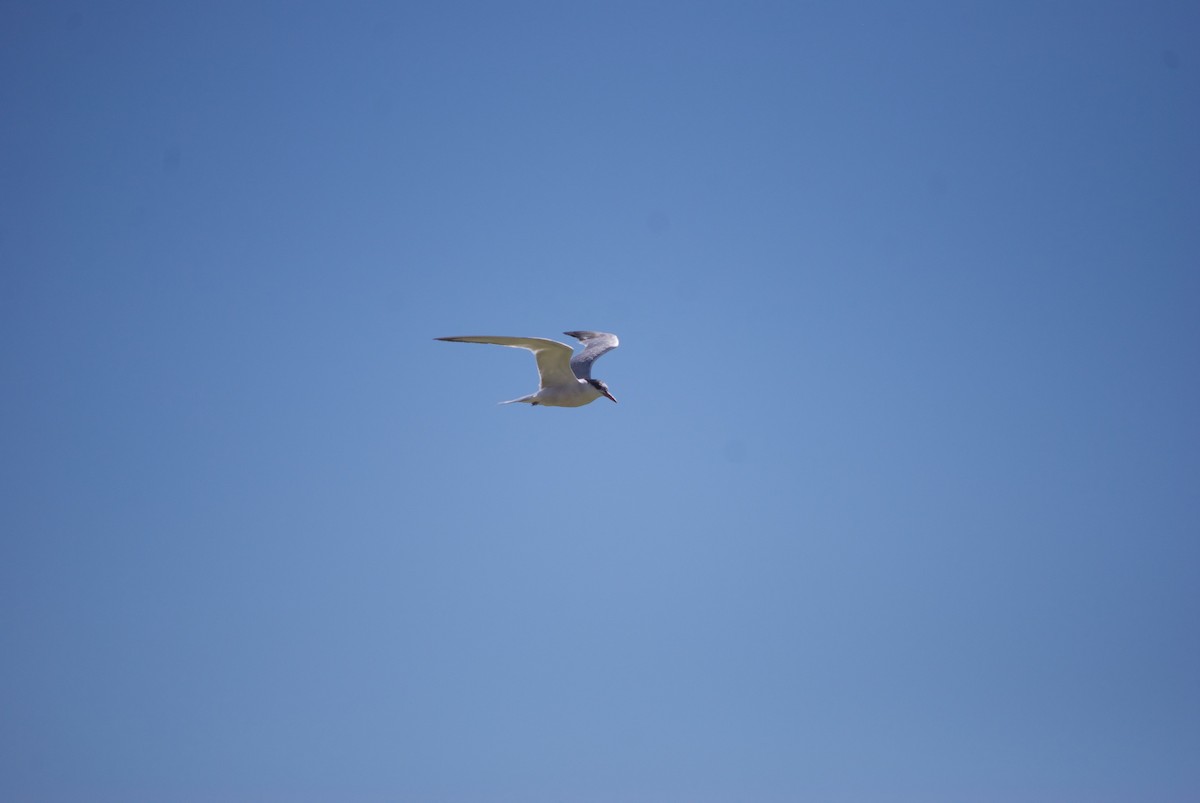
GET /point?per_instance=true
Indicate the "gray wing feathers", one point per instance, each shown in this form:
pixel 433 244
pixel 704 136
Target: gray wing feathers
pixel 594 345
pixel 552 357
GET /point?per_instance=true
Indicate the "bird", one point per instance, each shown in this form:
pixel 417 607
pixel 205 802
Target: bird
pixel 566 381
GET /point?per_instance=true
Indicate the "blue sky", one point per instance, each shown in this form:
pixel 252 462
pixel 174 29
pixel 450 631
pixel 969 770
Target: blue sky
pixel 900 501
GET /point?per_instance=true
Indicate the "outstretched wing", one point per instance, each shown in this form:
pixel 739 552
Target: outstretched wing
pixel 553 358
pixel 594 345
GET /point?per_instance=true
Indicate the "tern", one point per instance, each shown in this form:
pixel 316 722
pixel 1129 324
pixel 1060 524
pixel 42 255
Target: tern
pixel 566 381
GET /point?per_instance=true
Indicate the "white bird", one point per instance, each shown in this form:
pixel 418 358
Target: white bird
pixel 566 381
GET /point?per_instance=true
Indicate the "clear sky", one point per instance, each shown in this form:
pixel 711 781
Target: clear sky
pixel 901 500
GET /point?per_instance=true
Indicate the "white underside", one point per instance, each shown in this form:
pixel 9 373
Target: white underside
pixel 575 395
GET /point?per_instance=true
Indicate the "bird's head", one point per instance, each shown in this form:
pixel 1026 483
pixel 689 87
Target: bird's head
pixel 603 388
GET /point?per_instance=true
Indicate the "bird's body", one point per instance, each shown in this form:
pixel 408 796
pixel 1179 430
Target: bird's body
pixel 575 395
pixel 566 380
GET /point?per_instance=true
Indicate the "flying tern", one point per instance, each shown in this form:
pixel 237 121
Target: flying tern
pixel 566 381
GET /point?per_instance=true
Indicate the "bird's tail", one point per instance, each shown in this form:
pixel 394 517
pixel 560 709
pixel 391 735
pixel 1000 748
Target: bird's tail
pixel 522 400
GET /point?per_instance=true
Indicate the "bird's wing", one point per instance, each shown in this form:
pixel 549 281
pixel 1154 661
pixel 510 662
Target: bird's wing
pixel 553 358
pixel 594 345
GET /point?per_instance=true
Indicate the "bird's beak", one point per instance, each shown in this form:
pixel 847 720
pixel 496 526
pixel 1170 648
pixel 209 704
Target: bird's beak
pixel 609 395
